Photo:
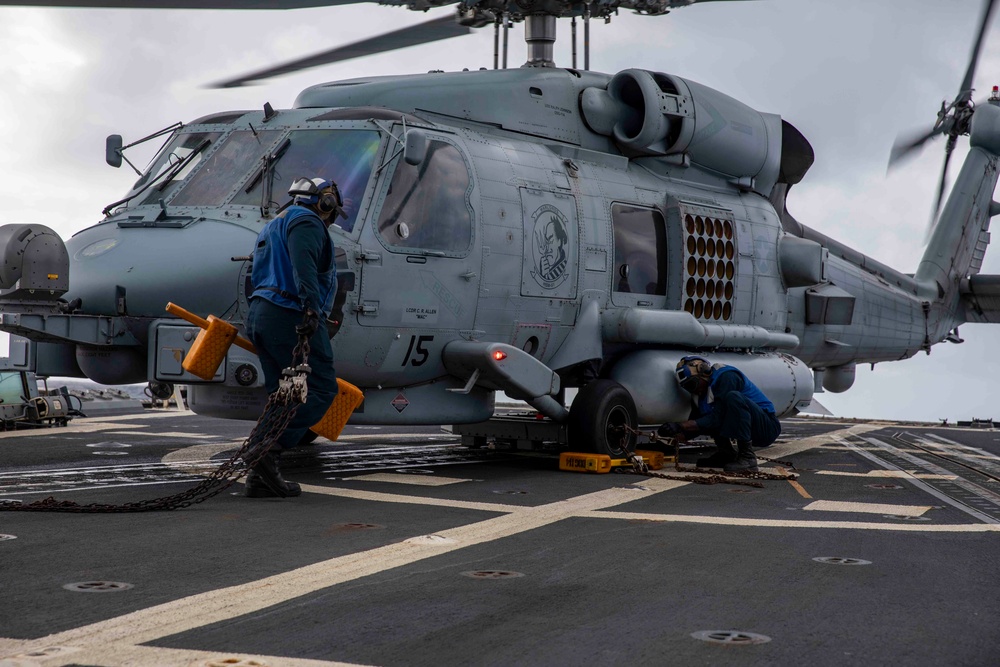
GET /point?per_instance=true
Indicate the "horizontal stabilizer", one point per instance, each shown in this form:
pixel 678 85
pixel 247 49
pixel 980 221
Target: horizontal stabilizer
pixel 980 296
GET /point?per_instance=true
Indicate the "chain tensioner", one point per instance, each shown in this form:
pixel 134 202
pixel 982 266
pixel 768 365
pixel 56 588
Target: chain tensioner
pixel 739 477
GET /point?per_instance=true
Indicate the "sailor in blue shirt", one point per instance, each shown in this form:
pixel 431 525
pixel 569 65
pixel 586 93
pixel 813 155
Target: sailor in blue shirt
pixel 730 408
pixel 294 281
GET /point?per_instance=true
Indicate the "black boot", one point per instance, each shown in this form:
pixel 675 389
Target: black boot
pixel 265 481
pixel 746 460
pixel 723 455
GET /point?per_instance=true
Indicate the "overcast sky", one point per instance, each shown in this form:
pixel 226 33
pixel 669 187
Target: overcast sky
pixel 849 74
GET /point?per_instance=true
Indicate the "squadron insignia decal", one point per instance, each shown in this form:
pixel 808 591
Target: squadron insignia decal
pixel 550 242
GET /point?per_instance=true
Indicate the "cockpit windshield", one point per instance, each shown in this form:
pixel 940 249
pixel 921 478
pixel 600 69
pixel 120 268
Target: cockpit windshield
pixel 226 168
pixel 343 156
pixel 256 167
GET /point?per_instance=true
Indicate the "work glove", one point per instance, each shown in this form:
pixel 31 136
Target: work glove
pixel 310 323
pixel 672 430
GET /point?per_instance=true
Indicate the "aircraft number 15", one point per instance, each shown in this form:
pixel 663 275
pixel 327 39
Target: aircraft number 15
pixel 417 353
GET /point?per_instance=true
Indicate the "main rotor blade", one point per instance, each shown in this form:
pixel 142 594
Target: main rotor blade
pixel 422 33
pixel 183 4
pixel 965 92
pixel 901 148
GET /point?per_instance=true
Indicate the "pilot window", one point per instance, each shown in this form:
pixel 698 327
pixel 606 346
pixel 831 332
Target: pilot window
pixel 427 206
pixel 640 250
pixel 228 166
pixel 343 156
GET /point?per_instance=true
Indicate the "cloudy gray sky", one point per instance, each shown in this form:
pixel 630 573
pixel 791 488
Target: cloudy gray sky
pixel 849 74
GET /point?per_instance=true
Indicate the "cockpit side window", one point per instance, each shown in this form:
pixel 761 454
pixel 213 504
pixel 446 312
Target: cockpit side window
pixel 343 156
pixel 640 250
pixel 172 165
pixel 427 205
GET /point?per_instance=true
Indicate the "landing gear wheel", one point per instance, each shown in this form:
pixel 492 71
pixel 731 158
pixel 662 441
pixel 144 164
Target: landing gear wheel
pixel 597 416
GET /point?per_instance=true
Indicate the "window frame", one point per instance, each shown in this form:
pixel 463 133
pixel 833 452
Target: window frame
pixel 662 271
pixel 382 190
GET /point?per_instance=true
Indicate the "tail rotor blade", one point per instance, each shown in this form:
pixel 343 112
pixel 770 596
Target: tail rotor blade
pixel 965 92
pixel 904 146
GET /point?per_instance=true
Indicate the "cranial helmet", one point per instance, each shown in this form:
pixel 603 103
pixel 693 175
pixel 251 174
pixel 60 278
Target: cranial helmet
pixel 318 192
pixel 690 368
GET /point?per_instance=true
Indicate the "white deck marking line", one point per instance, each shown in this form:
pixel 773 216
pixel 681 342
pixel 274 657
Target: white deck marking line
pixel 148 414
pixel 954 450
pixel 417 480
pixel 916 482
pixel 122 654
pixel 67 430
pixel 396 436
pixel 197 454
pixel 946 441
pixel 965 484
pixel 375 496
pixel 792 447
pixel 197 459
pixel 866 508
pixel 199 610
pixel 166 434
pixel 785 523
pixel 882 474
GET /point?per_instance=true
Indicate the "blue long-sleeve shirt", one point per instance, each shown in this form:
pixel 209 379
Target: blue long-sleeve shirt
pixel 309 249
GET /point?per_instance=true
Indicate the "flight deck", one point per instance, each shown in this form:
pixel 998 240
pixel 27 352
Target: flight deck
pixel 409 548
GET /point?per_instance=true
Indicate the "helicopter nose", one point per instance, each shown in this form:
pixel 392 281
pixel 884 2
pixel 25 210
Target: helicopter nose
pixel 121 270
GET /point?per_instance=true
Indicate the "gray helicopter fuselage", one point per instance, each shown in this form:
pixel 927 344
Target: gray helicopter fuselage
pixel 547 211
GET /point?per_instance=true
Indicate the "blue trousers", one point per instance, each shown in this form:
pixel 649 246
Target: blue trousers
pixel 271 329
pixel 741 419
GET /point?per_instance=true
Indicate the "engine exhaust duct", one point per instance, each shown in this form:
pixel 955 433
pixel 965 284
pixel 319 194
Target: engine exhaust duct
pixel 655 114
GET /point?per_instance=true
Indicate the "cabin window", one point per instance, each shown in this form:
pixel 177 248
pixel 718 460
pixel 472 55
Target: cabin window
pixel 427 205
pixel 343 156
pixel 640 250
pixel 226 167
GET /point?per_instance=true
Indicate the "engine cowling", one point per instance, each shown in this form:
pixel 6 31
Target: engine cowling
pixel 651 113
pixel 649 377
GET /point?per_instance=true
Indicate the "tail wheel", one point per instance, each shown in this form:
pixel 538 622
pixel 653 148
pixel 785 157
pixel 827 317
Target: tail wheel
pixel 41 407
pixel 597 419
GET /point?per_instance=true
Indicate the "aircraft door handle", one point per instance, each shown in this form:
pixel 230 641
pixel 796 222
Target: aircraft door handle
pixel 469 275
pixel 369 256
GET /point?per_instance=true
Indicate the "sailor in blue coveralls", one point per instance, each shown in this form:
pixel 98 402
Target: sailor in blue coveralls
pixel 294 282
pixel 730 408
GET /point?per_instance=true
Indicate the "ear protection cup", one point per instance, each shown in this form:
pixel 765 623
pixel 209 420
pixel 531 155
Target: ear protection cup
pixel 330 200
pixel 327 203
pixel 691 367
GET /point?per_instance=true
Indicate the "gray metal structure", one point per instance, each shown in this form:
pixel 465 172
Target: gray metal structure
pixel 524 230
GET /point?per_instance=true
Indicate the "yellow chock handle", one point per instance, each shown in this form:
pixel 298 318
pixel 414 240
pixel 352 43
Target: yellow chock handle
pixel 174 309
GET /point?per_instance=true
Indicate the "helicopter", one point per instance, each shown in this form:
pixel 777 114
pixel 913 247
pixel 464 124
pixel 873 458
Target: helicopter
pixel 629 317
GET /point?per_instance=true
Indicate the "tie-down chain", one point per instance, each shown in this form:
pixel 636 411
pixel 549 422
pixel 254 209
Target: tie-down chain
pixel 739 477
pixel 278 412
